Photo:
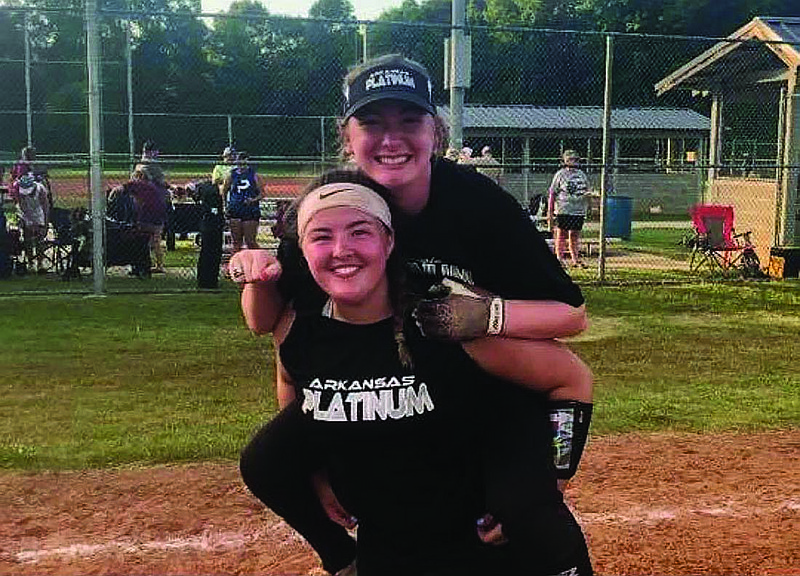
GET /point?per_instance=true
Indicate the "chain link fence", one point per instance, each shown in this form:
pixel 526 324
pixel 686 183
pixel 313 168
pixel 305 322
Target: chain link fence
pixel 691 121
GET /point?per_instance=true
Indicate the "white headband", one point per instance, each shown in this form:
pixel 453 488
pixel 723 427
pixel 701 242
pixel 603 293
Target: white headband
pixel 342 195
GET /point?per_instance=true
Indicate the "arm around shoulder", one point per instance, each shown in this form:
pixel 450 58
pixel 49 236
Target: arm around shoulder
pixel 543 319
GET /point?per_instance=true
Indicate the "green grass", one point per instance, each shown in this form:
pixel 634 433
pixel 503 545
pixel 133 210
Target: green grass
pixel 694 358
pixel 143 379
pixel 660 241
pixel 96 382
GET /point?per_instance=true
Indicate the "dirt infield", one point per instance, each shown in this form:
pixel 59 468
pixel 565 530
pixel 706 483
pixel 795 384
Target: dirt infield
pixel 72 191
pixel 657 504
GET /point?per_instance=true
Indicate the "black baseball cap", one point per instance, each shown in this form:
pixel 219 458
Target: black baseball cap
pixel 389 78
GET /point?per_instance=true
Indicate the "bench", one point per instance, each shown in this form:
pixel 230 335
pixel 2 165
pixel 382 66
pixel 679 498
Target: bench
pixel 590 247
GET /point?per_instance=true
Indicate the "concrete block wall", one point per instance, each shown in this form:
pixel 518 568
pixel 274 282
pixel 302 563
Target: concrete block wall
pixel 672 193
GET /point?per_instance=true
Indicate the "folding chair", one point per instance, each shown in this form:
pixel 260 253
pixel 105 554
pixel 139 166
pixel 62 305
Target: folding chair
pixel 63 245
pixel 716 247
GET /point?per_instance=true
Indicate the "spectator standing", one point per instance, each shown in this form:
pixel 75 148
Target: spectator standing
pixel 151 213
pixel 149 165
pixel 243 197
pixel 212 227
pixel 488 165
pixel 25 165
pixel 569 196
pixel 33 210
pixel 221 172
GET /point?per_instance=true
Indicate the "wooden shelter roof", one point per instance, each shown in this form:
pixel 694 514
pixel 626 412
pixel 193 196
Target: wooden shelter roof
pixel 762 51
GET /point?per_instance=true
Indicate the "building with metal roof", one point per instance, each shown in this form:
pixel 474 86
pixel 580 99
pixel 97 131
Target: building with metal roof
pixel 580 121
pixel 759 62
pixel 540 133
pixel 528 140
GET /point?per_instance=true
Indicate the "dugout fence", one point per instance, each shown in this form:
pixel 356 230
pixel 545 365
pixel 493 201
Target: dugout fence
pixel 195 83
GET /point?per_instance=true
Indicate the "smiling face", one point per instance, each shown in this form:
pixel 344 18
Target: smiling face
pixel 393 143
pixel 347 250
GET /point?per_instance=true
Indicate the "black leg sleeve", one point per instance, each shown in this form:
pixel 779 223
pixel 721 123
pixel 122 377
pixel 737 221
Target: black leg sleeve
pixel 521 491
pixel 276 466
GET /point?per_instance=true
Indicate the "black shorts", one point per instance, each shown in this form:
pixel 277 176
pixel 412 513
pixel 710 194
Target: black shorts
pixel 246 218
pixel 569 221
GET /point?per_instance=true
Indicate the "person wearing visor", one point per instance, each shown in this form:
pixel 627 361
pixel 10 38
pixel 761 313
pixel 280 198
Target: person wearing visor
pixel 391 132
pixel 568 199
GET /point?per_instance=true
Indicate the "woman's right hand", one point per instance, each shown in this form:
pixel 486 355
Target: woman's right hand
pixel 257 265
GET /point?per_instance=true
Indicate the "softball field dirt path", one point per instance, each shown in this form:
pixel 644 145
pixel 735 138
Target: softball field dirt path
pixel 661 504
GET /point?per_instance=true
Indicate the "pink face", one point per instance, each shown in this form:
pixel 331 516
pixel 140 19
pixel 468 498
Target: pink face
pixel 347 251
pixel 393 142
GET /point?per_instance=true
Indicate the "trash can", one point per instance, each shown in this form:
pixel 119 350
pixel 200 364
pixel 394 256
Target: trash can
pixel 619 210
pixel 784 262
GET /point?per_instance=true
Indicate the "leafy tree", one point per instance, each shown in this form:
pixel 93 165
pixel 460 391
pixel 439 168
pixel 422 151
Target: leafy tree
pixel 341 10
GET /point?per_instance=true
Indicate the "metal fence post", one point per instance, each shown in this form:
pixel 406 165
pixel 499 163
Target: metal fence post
pixel 129 79
pixel 526 169
pixel 605 172
pixel 322 142
pixel 95 150
pixel 715 143
pixel 791 160
pixel 362 28
pixel 28 111
pixel 230 131
pixel 457 66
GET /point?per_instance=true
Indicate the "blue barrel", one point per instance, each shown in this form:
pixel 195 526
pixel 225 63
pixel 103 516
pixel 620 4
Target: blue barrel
pixel 619 210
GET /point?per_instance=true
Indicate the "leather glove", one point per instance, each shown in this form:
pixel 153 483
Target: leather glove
pixel 455 311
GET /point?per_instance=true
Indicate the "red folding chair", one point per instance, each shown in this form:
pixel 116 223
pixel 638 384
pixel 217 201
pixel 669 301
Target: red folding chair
pixel 716 247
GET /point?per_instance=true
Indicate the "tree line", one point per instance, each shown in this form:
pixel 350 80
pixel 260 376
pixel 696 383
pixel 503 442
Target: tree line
pixel 251 62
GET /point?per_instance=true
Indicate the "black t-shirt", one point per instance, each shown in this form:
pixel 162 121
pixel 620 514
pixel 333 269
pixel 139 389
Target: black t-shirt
pixel 397 442
pixel 471 230
pixel 474 231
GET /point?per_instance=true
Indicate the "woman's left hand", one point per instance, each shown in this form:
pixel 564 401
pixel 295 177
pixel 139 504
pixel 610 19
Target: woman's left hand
pixel 454 311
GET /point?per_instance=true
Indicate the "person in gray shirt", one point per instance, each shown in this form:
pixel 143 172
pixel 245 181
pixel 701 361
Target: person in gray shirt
pixel 569 197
